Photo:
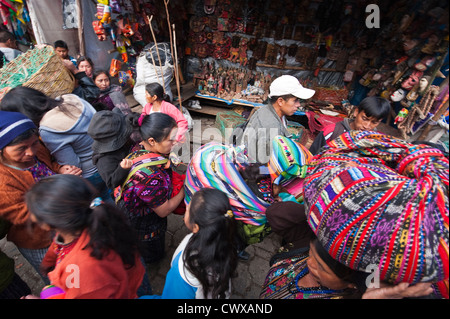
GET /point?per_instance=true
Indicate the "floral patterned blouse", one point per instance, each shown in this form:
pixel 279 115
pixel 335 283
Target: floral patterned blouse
pixel 148 188
pixel 39 170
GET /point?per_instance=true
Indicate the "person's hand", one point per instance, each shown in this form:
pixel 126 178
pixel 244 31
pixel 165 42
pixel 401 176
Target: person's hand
pixel 41 46
pixel 126 163
pixel 399 291
pixel 30 297
pixel 70 169
pixel 70 66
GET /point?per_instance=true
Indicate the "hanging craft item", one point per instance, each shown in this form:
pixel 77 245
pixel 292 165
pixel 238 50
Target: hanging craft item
pixel 126 77
pixel 222 22
pixel 401 115
pixel 209 6
pixel 99 30
pixel 418 111
pixel 114 68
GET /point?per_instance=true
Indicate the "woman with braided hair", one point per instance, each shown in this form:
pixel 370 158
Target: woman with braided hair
pixel 206 259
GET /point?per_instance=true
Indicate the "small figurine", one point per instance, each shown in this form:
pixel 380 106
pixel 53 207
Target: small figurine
pixel 401 116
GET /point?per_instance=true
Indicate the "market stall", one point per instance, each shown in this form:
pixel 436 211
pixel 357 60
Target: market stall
pixel 230 51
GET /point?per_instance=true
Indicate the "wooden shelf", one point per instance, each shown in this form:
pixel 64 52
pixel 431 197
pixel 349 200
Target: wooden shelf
pixel 208 110
pixel 297 68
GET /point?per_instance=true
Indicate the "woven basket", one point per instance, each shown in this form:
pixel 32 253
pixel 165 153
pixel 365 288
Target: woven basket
pixel 40 69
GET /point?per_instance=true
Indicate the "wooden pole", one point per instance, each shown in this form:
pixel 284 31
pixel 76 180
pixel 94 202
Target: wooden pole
pixel 177 79
pixel 166 3
pixel 157 51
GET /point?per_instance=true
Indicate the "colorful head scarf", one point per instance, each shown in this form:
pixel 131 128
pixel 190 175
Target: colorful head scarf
pixel 287 160
pixel 373 200
pixel 217 165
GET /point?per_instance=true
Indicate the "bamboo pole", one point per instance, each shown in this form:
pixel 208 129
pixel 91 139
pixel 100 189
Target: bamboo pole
pixel 166 3
pixel 157 51
pixel 177 79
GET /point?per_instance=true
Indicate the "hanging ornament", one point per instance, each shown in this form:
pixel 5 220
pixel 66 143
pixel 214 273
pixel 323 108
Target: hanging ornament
pixel 401 115
pixel 209 6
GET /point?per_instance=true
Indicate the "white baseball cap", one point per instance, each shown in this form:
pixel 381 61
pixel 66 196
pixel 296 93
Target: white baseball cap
pixel 287 84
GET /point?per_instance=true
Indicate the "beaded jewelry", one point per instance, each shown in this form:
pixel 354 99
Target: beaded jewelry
pixel 229 214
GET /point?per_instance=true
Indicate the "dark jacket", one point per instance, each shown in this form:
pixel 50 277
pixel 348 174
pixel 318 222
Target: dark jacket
pixel 329 135
pixel 86 88
pixel 108 165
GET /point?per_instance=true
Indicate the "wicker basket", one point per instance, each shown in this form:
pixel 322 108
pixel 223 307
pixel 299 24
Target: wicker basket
pixel 40 69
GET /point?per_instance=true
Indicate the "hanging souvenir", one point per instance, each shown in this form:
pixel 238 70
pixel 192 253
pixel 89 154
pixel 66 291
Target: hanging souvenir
pixel 115 6
pixel 99 30
pixel 222 22
pixel 412 80
pixel 121 48
pixel 209 6
pixel 401 115
pixel 104 13
pixel 115 67
pixel 196 24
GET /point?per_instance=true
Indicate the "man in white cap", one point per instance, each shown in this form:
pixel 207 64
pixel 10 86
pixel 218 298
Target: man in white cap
pixel 270 120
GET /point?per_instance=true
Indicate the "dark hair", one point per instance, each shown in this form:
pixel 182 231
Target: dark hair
pixel 63 202
pixel 5 36
pixel 375 106
pixel 155 125
pixel 30 102
pixel 99 72
pixel 157 89
pixel 343 272
pixel 286 97
pixel 60 44
pixel 24 136
pixel 84 58
pixel 252 175
pixel 211 254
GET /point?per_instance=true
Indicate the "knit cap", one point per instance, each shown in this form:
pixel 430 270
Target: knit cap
pixel 13 124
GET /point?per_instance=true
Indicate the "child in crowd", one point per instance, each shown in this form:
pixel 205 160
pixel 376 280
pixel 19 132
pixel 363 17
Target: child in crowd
pixel 367 116
pixel 62 50
pixel 206 259
pixel 111 132
pixel 157 101
pixel 94 253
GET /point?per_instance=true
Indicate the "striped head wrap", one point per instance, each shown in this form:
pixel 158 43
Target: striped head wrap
pixel 287 160
pixel 373 200
pixel 217 166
